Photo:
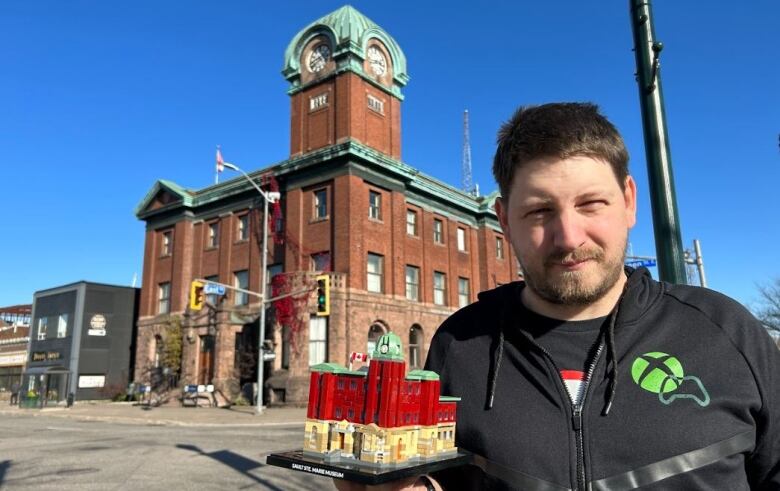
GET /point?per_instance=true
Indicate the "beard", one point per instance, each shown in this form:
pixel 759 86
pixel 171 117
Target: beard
pixel 581 287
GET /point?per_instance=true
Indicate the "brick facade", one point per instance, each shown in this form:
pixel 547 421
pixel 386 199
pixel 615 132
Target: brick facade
pixel 348 145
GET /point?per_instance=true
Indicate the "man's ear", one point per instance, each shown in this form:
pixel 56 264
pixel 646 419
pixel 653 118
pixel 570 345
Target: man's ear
pixel 503 218
pixel 629 195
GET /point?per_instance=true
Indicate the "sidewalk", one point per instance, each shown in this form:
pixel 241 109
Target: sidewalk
pixel 168 415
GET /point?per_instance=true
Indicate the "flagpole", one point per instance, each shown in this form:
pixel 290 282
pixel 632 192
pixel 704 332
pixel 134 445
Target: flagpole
pixel 216 169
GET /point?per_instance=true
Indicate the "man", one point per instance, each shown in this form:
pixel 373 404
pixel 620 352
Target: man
pixel 590 375
pixel 15 393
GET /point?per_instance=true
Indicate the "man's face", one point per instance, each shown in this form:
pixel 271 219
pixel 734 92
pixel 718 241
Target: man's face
pixel 568 223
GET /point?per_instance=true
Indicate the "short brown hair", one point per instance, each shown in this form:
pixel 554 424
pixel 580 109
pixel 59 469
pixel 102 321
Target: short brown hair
pixel 560 130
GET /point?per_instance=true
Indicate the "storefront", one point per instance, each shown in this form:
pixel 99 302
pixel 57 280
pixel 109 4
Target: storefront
pixel 45 386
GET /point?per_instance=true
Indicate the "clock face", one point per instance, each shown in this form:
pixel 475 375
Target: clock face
pixel 318 57
pixel 376 61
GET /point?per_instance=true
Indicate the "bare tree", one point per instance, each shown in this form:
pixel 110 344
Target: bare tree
pixel 768 311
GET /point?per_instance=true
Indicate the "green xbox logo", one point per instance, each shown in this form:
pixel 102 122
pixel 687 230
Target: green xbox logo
pixel 657 372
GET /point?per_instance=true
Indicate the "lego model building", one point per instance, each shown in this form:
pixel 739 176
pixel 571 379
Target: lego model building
pixel 380 416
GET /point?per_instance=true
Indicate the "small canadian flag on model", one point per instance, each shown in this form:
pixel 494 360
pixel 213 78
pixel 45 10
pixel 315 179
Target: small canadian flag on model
pixel 355 356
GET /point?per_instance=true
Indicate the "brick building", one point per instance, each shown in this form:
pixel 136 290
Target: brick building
pixel 14 340
pixel 403 249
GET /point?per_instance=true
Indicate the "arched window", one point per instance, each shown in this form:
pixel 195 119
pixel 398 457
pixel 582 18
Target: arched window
pixel 376 331
pixel 415 346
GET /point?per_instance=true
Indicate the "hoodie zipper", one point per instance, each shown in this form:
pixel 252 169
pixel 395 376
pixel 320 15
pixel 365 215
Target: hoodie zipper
pixel 576 418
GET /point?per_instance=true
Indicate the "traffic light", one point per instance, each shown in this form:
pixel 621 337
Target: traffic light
pixel 196 295
pixel 323 295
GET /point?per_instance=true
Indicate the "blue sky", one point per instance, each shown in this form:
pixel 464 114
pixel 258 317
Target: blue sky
pixel 100 99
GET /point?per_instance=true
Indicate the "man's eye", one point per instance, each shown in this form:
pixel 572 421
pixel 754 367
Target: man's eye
pixel 593 205
pixel 537 213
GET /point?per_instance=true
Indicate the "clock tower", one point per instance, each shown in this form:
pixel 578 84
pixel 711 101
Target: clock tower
pixel 346 75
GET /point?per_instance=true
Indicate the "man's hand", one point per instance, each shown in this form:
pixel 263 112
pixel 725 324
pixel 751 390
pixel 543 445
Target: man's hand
pixel 410 484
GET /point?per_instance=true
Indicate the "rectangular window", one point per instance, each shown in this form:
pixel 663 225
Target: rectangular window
pixel 439 288
pixel 375 104
pixel 320 204
pixel 438 231
pixel 321 261
pixel 374 269
pixel 374 205
pixel 273 270
pixel 62 325
pixel 461 239
pixel 43 324
pixel 213 240
pixel 499 248
pixel 213 299
pixel 411 222
pixel 318 340
pixel 318 101
pixel 413 283
pixel 463 292
pixel 167 243
pixel 243 227
pixel 164 298
pixel 241 280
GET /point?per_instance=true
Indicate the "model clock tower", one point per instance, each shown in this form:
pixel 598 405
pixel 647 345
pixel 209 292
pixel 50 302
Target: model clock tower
pixel 346 75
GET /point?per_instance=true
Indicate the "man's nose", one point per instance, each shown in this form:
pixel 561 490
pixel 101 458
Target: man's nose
pixel 568 231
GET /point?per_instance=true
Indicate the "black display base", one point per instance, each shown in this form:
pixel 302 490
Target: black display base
pixel 296 460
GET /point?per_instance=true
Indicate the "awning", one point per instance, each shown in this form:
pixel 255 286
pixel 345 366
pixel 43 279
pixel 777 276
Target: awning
pixel 46 370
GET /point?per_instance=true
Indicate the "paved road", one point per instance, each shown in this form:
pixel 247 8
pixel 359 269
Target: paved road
pixel 47 452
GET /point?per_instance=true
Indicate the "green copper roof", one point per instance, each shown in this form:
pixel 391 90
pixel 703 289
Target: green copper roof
pixel 335 368
pixel 388 347
pixel 349 32
pixel 422 375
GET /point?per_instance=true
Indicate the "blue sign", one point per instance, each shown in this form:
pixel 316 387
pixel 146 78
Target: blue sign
pixel 190 388
pixel 213 289
pixel 638 263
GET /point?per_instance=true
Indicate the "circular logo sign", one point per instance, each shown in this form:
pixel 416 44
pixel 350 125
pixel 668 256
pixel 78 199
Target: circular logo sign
pixel 98 321
pixel 657 372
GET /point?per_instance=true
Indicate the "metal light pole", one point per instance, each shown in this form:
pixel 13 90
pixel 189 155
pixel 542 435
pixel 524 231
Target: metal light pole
pixel 666 222
pixel 270 197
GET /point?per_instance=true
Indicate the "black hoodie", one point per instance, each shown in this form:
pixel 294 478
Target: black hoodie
pixel 685 396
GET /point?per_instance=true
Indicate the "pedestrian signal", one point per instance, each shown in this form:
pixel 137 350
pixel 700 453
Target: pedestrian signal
pixel 323 295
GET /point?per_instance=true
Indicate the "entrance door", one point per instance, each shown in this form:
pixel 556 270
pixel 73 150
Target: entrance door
pixel 206 360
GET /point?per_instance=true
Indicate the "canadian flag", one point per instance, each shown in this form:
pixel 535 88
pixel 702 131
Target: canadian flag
pixel 355 356
pixel 220 161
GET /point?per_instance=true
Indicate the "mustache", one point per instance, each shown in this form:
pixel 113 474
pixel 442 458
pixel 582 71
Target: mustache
pixel 561 256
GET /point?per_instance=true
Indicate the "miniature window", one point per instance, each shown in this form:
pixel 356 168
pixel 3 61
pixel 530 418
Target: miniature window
pixel 438 231
pixel 341 384
pixel 350 414
pixel 338 412
pixel 164 298
pixel 352 385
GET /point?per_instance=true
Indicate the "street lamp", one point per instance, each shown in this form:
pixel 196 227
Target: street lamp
pixel 270 197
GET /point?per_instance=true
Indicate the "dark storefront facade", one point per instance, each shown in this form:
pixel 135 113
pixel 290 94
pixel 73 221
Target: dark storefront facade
pixel 82 339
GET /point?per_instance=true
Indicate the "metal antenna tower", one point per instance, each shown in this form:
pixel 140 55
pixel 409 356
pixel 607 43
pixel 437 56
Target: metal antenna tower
pixel 467 184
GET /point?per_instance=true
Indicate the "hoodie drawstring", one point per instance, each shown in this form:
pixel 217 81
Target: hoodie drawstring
pixel 494 376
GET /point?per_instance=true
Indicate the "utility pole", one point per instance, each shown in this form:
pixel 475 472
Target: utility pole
pixel 666 222
pixel 697 261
